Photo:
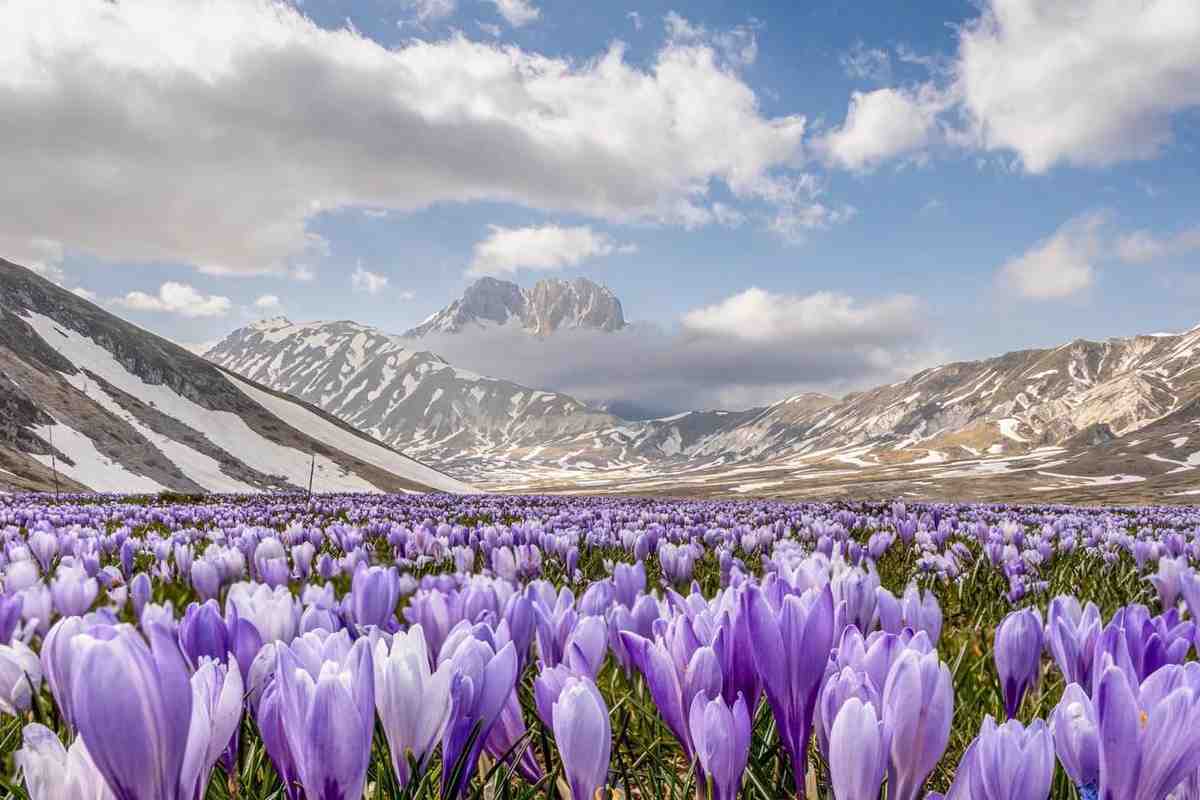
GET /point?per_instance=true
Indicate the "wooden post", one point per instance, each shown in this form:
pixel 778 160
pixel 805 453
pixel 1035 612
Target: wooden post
pixel 53 463
pixel 311 469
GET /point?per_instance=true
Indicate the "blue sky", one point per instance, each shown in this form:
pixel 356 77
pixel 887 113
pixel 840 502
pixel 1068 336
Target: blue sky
pixel 953 157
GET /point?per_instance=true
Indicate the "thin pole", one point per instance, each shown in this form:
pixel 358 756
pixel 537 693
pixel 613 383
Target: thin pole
pixel 311 469
pixel 53 463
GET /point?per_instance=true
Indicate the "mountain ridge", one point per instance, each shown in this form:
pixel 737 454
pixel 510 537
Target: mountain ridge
pixel 1077 395
pixel 109 406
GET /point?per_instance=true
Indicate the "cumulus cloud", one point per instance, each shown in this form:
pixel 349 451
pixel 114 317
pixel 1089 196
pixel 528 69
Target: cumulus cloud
pixel 738 45
pixel 546 247
pixel 43 256
pixel 1144 247
pixel 1061 265
pixel 756 315
pixel 1078 82
pixel 867 63
pixel 882 125
pixel 176 298
pixel 751 349
pixel 268 303
pixel 362 280
pixel 517 13
pixel 215 131
pixel 1084 82
pixel 427 11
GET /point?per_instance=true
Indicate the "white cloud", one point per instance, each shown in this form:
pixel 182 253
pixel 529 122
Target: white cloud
pixel 1060 265
pixel 86 294
pixel 867 63
pixel 517 13
pixel 760 316
pixel 302 272
pixel 427 11
pixel 546 247
pixel 1143 247
pixel 738 45
pixel 636 19
pixel 176 298
pixel 882 125
pixel 1084 82
pixel 406 295
pixel 268 303
pixel 217 130
pixel 362 280
pixel 794 222
pixel 43 256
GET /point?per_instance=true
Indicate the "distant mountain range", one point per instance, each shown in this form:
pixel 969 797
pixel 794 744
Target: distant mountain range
pixel 107 406
pixel 1044 415
pixel 113 407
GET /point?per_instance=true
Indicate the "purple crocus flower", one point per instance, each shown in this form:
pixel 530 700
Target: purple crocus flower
pixel 270 726
pixel 839 688
pixel 216 715
pixel 674 675
pixel 639 620
pixel 1137 642
pixel 1018 655
pixel 140 590
pixel 412 700
pixel 583 735
pixel 922 612
pixel 73 591
pixel 503 741
pixel 1167 580
pixel 374 594
pixel 133 708
pixel 1010 762
pixel 629 582
pixel 791 647
pixel 587 645
pixel 10 615
pixel 1189 587
pixel 1077 738
pixel 274 613
pixel 206 579
pixel 20 677
pixel 203 633
pixel 328 717
pixel 1071 635
pixel 721 736
pixel 918 705
pixel 1142 754
pixel 859 742
pixel 481 681
pixel 51 771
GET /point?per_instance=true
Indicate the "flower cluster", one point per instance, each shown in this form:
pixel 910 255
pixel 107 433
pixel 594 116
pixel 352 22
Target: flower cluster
pixel 420 645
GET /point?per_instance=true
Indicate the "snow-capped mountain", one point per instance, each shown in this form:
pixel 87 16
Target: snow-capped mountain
pixel 407 397
pixel 550 305
pixel 111 407
pixel 1015 413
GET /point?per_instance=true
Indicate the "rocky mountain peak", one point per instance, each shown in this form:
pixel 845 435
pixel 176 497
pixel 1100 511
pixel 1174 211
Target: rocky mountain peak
pixel 551 304
pixel 271 323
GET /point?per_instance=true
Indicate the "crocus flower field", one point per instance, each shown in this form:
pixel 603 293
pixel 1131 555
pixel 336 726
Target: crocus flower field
pixel 518 647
